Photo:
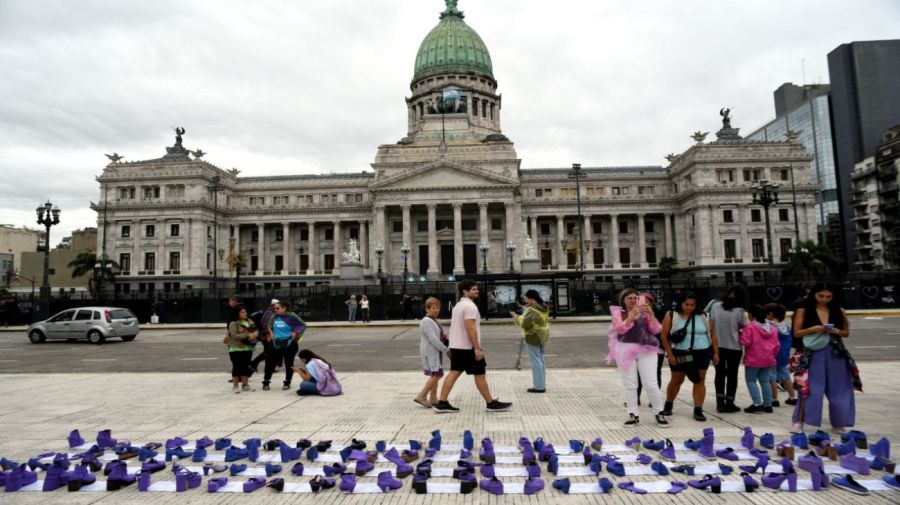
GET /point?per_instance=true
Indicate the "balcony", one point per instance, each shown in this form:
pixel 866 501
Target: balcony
pixel 887 171
pixel 887 188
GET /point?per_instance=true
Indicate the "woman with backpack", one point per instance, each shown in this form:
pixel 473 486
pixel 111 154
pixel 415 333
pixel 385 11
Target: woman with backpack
pixel 318 377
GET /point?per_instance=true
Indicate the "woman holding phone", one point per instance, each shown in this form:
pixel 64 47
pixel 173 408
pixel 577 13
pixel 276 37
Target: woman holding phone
pixel 827 366
pixel 633 346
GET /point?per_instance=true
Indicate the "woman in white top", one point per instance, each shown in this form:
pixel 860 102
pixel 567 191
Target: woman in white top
pixel 364 308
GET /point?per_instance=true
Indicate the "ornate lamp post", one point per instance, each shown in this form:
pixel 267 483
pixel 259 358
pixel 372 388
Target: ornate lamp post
pixel 766 194
pixel 47 215
pixel 379 253
pixel 510 250
pixel 404 253
pixel 577 174
pixel 485 247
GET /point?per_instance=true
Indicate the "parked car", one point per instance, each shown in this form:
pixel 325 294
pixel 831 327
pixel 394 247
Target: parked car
pixel 96 324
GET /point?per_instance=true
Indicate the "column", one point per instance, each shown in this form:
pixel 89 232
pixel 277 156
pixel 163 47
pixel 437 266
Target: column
pixel 715 234
pixel 670 250
pixel 533 229
pixel 458 268
pixel 809 210
pixel 261 253
pixel 433 270
pixel 745 246
pixel 162 263
pixel 642 241
pixel 137 262
pixel 188 267
pixel 237 238
pixel 337 247
pixel 287 251
pixel 364 242
pixel 407 237
pixel 588 239
pixel 560 235
pixel 701 229
pixel 690 238
pixel 484 225
pixel 313 247
pixel 511 235
pixel 614 240
pixel 377 236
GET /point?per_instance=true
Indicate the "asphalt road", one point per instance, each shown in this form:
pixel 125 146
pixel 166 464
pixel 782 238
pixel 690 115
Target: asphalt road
pixel 572 345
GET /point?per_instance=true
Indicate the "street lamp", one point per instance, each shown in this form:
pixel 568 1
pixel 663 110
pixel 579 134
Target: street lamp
pixel 577 174
pixel 510 250
pixel 766 194
pixel 379 253
pixel 485 247
pixel 47 215
pixel 404 253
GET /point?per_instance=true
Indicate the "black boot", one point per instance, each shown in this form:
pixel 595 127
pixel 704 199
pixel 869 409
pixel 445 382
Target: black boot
pixel 667 410
pixel 698 414
pixel 730 407
pixel 720 404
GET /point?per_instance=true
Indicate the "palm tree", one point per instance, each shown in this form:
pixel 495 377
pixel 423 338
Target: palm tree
pixel 813 260
pixel 86 264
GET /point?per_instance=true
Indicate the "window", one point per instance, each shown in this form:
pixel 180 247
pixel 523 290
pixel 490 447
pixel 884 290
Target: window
pixel 570 228
pixel 276 200
pixel 175 191
pixel 305 199
pixel 125 261
pixel 783 215
pixel 496 224
pixel 727 216
pixel 752 174
pixel 329 233
pixel 174 261
pixel 755 215
pixel 329 261
pixel 598 256
pixel 279 235
pixel 257 200
pixel 304 234
pixel 126 193
pixel 785 174
pixel 786 245
pixel 567 193
pixel 397 226
pixel 625 190
pixel 209 232
pixel 174 230
pixel 279 262
pixel 650 227
pixel 730 248
pixel 422 225
pixel 651 255
pixel 254 263
pixel 543 192
pixel 594 191
pixel 254 236
pixel 208 261
pixel 616 190
pixel 354 233
pixel 623 226
pixel 757 245
pixel 151 192
pixel 646 190
pixel 83 315
pixel 444 224
pixel 625 255
pixel 469 225
pixel 125 231
pixel 334 198
pixel 597 227
pixel 150 230
pixel 545 228
pixel 149 261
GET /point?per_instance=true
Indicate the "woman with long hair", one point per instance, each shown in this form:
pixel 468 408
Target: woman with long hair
pixel 728 315
pixel 824 368
pixel 633 346
pixel 535 326
pixel 690 343
pixel 285 333
pixel 318 375
pixel 240 340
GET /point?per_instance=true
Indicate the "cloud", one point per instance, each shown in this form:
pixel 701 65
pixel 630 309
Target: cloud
pixel 279 86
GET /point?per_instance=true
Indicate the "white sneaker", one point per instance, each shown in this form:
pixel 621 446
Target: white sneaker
pixel 247 388
pixel 797 428
pixel 235 389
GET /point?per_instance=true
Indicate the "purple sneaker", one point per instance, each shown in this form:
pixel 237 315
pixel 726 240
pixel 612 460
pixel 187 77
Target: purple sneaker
pixel 492 485
pixel 669 452
pixel 855 463
pixel 348 482
pixel 215 484
pixel 386 481
pixel 562 484
pixel 533 485
pixel 75 439
pixel 254 483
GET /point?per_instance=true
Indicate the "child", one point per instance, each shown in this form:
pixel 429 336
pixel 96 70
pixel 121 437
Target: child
pixel 775 313
pixel 760 341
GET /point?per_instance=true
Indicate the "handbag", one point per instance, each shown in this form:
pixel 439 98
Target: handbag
pixel 678 336
pixel 684 358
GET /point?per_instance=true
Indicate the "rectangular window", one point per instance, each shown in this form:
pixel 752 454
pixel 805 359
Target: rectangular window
pixel 422 225
pixel 279 235
pixel 329 261
pixel 304 262
pixel 545 228
pixel 783 215
pixel 254 236
pixel 279 262
pixel 151 192
pixel 208 261
pixel 538 193
pixel 727 216
pixel 651 255
pixel 598 256
pixel 125 262
pixel 594 191
pixel 469 225
pixel 496 224
pixel 443 224
pixel 786 245
pixel 329 233
pixel 567 193
pixel 625 255
pixel 623 226
pixel 755 215
pixel 570 228
pixel 597 227
pixel 149 261
pixel 354 234
pixel 150 230
pixel 304 234
pixel 209 232
pixel 125 231
pixel 646 190
pixel 758 249
pixel 650 227
pixel 254 263
pixel 785 174
pixel 616 190
pixel 126 193
pixel 625 190
pixel 174 261
pixel 397 226
pixel 174 230
pixel 730 248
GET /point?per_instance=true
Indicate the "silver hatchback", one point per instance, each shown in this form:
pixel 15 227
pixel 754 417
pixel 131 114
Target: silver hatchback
pixel 96 324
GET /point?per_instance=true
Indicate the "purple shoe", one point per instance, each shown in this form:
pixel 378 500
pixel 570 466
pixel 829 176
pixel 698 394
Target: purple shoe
pixel 597 444
pixel 644 459
pixel 420 483
pixel 891 481
pixel 222 443
pixel 596 464
pixel 606 485
pixel 727 453
pixel 187 480
pixel 236 469
pixel 487 471
pixel 653 445
pixel 380 445
pixel 634 443
pixel 435 442
pixel 576 445
pixel 725 469
pixel 855 463
pixel 659 468
pixel 492 485
pixel 800 441
pixel 562 484
pixel 528 455
pixel 750 484
pixel 468 440
pixel 75 439
pixel 119 477
pixel 879 463
pixel 533 485
pixel 19 477
pixel 215 484
pixel 312 454
pixel 706 447
pixel 233 453
pixel 486 455
pixel 152 466
pixel 357 455
pixel 881 448
pixel 848 483
pixel 78 477
pixel 629 486
pixel 615 468
pixel 334 469
pixel 430 453
pixel 104 439
pixel 415 445
pixel 198 455
pixel 409 455
pixel 423 468
pixel 386 481
pixel 775 480
pixel 403 470
pixel 203 443
pixel 545 452
pixel 677 487
pixel 818 437
pixel 359 445
pixel 277 484
pixel 348 482
pixel 297 469
pixel 767 440
pixel 747 438
pixel 318 483
pixel 464 454
pixel 668 453
pixel 55 478
pixel 363 467
pixel 586 455
pixel 708 481
pixel 846 448
pixel 692 444
pixel 534 470
pixel 552 465
pixel 173 443
pixel 272 469
pixel 254 483
pixel 143 480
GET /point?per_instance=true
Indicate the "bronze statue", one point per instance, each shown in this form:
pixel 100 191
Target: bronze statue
pixel 699 136
pixel 198 154
pixel 114 157
pixel 179 131
pixel 726 117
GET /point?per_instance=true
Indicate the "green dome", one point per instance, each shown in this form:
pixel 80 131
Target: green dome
pixel 452 47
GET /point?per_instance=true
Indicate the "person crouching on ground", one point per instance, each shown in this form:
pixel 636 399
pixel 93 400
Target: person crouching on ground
pixel 760 341
pixel 432 347
pixel 318 376
pixel 285 332
pixel 535 325
pixel 633 346
pixel 240 340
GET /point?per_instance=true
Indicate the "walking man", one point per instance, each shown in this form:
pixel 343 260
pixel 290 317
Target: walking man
pixel 466 354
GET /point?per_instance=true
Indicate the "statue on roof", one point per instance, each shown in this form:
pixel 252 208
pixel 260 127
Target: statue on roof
pixel 198 154
pixel 725 112
pixel 699 136
pixel 179 131
pixel 451 9
pixel 114 157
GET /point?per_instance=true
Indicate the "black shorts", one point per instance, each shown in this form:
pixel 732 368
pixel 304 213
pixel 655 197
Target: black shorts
pixel 463 360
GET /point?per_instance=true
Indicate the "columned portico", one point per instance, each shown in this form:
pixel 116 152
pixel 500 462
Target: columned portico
pixel 458 268
pixel 287 251
pixel 433 271
pixel 670 248
pixel 337 246
pixel 561 259
pixel 614 240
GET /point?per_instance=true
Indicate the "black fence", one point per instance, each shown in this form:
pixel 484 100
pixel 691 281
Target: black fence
pixel 566 295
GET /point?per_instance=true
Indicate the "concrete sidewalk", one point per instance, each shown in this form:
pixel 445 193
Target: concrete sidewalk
pixel 38 411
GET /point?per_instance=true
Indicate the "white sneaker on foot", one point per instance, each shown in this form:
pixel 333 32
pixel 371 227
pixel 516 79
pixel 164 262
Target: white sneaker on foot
pixel 235 389
pixel 247 388
pixel 797 428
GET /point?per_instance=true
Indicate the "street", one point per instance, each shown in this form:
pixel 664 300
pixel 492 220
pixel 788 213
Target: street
pixel 363 348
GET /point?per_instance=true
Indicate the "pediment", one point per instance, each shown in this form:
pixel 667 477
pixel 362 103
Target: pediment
pixel 442 175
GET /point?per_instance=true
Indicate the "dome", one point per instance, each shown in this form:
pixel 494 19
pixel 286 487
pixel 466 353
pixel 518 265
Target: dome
pixel 452 46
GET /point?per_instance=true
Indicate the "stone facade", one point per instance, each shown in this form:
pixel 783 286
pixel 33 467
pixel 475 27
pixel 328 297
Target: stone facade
pixel 450 185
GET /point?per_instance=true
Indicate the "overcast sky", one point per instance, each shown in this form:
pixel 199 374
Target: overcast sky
pixel 314 86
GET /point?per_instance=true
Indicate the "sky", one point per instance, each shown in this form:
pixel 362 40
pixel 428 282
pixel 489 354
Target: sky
pixel 287 87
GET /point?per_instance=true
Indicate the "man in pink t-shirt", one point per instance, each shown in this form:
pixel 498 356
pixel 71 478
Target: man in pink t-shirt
pixel 466 354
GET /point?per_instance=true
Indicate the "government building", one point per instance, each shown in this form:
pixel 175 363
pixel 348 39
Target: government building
pixel 450 198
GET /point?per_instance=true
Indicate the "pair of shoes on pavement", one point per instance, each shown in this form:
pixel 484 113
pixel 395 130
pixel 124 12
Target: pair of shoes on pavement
pixel 495 405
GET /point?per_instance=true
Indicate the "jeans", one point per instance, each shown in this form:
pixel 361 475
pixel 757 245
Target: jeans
pixel 352 311
pixel 365 315
pixel 643 366
pixel 727 374
pixel 280 355
pixel 759 378
pixel 308 388
pixel 536 356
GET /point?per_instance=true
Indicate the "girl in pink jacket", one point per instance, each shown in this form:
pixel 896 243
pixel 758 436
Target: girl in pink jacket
pixel 760 341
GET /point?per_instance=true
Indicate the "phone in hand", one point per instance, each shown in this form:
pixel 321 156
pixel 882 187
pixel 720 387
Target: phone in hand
pixel 642 300
pixel 828 326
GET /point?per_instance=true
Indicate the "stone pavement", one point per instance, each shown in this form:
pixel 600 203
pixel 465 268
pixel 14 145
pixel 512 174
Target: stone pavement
pixel 38 411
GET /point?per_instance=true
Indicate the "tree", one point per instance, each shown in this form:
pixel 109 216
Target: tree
pixel 812 261
pixel 86 264
pixel 236 262
pixel 668 267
